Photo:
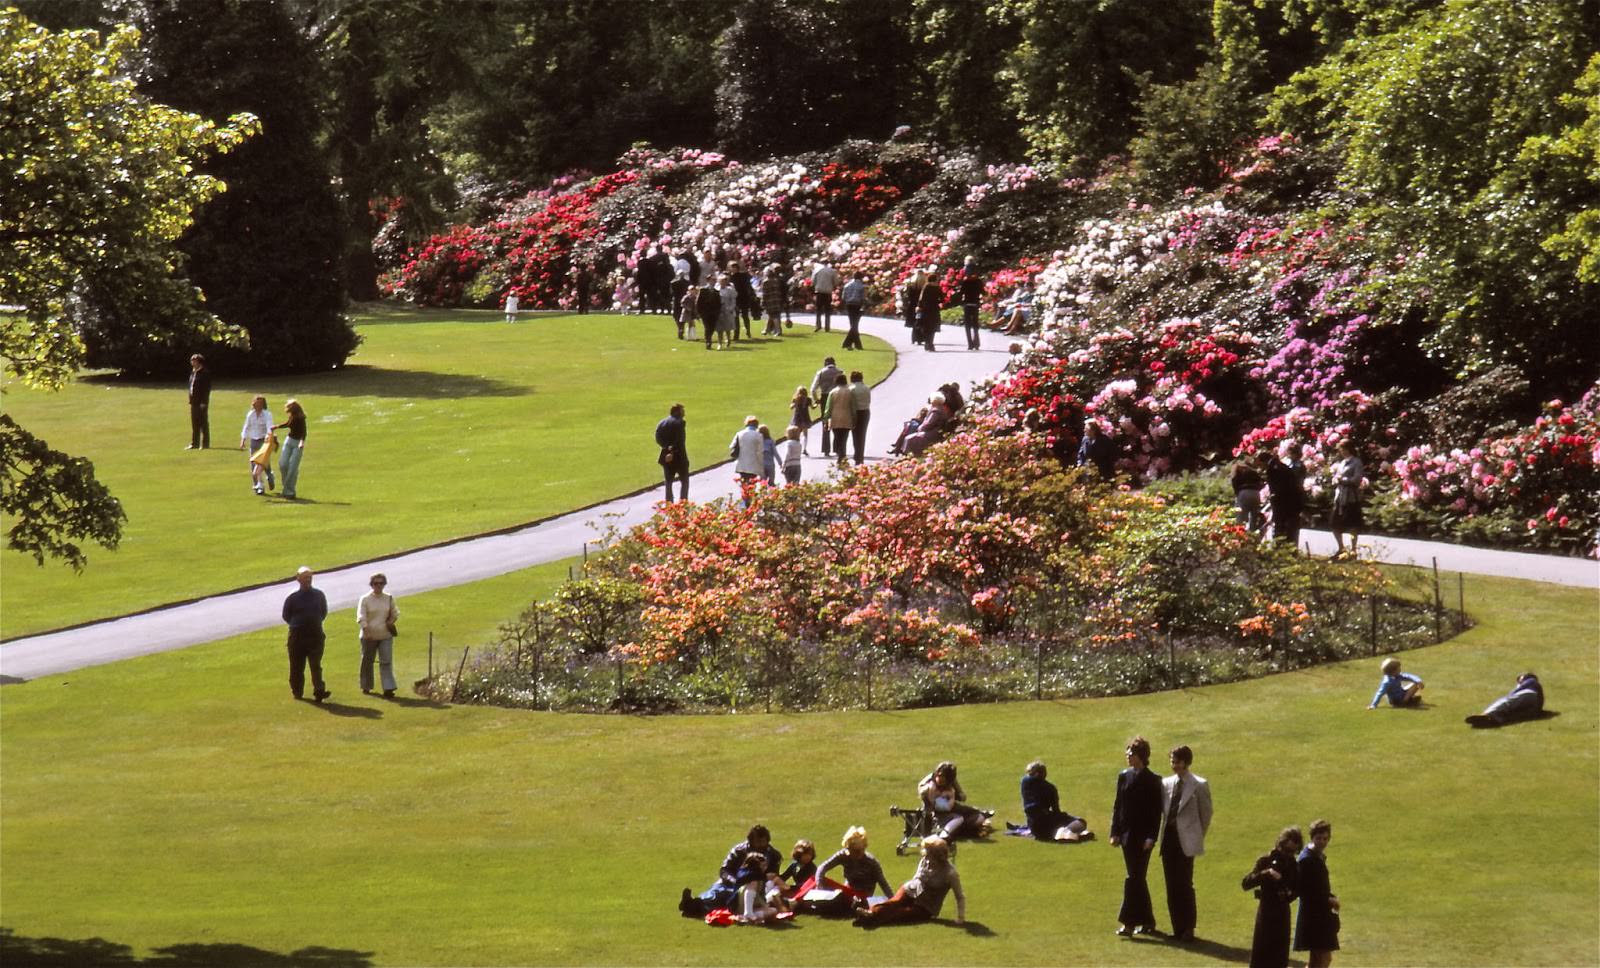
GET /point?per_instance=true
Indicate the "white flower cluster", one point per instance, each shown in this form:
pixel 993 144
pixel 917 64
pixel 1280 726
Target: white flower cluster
pixel 1111 253
pixel 733 214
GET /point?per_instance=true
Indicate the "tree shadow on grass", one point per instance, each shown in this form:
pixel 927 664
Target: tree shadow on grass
pixel 17 951
pixel 354 380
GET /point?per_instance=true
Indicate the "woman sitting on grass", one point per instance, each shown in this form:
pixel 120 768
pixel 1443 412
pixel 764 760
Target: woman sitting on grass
pixel 1041 804
pixel 920 898
pixel 862 872
pixel 1401 688
pixel 941 792
pixel 760 891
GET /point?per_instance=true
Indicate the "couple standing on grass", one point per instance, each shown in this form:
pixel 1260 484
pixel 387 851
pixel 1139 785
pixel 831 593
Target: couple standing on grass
pixel 376 617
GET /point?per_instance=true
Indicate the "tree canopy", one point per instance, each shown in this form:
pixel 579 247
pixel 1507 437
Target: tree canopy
pixel 97 183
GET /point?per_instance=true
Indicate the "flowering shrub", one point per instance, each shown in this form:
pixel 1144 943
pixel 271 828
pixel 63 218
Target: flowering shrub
pixel 1547 474
pixel 1003 179
pixel 887 255
pixel 941 568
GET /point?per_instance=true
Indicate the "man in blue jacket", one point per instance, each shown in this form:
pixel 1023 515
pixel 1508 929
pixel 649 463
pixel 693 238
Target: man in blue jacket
pixel 303 612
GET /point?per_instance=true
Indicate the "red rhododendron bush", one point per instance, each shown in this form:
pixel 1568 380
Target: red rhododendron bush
pixel 983 571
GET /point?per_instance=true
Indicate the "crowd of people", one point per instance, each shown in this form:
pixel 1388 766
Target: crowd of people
pixel 1174 812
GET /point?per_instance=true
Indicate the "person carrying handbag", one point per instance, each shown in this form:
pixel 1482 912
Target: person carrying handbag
pixel 376 618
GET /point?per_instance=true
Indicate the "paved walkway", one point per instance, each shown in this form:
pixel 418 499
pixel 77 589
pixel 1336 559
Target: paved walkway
pixel 917 375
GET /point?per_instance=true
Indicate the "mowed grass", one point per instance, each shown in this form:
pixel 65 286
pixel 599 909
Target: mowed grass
pixel 444 424
pixel 186 799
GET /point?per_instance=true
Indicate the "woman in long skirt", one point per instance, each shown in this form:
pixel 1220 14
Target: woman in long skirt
pixel 1275 878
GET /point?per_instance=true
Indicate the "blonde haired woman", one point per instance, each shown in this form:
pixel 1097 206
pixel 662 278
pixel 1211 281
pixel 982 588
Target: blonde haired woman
pixel 294 445
pixel 922 897
pixel 862 872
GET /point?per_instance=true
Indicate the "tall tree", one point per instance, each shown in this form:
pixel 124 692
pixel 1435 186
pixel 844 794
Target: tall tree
pixel 1440 120
pixel 797 76
pixel 966 47
pixel 98 183
pixel 1076 76
pixel 268 254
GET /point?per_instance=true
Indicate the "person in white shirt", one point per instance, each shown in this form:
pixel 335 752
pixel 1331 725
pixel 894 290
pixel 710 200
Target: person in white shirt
pixel 748 453
pixel 376 615
pixel 1186 807
pixel 824 280
pixel 790 451
pixel 257 425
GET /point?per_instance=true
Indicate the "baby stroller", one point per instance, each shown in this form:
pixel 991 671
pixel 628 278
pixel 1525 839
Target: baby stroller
pixel 920 822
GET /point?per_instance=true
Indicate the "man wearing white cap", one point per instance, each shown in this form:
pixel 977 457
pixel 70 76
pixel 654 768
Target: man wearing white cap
pixel 303 612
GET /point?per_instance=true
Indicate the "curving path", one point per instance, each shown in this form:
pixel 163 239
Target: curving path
pixel 917 374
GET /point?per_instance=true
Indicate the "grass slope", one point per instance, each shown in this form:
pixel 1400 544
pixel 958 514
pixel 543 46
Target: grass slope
pixel 444 424
pixel 184 798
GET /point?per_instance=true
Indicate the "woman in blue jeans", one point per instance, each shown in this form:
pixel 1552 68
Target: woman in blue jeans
pixel 293 446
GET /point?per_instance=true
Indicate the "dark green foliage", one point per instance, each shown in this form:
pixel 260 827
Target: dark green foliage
pixel 268 252
pixel 1076 75
pixel 54 499
pixel 796 75
pixel 963 51
pixel 1189 130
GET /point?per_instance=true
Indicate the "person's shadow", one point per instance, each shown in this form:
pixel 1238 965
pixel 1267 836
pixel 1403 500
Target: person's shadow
pixel 17 951
pixel 349 712
pixel 1214 949
pixel 410 703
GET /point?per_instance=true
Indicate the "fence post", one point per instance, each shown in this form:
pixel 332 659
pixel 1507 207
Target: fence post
pixel 1172 660
pixel 455 687
pixel 1038 672
pixel 1438 606
pixel 1461 602
pixel 869 681
pixel 767 677
pixel 1373 598
pixel 619 683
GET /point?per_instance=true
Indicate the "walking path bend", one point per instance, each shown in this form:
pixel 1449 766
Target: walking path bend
pixel 917 374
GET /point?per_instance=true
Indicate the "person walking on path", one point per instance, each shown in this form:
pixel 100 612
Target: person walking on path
pixel 1183 838
pixel 294 445
pixel 376 615
pixel 854 297
pixel 1316 926
pixel 1135 823
pixel 800 415
pixel 861 398
pixel 1346 514
pixel 513 306
pixel 772 301
pixel 1275 878
pixel 824 280
pixel 257 425
pixel 821 386
pixel 671 437
pixel 929 302
pixel 199 404
pixel 971 297
pixel 304 611
pixel 791 451
pixel 708 305
pixel 909 295
pixel 748 451
pixel 839 409
pixel 1286 493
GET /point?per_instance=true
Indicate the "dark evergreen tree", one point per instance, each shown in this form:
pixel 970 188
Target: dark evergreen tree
pixel 267 253
pixel 800 75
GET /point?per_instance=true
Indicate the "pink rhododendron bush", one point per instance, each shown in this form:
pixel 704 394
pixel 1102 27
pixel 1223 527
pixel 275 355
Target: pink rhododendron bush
pixel 982 571
pixel 1205 330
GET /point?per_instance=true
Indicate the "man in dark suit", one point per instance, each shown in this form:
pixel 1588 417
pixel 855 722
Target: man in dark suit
pixel 674 459
pixel 199 403
pixel 1135 823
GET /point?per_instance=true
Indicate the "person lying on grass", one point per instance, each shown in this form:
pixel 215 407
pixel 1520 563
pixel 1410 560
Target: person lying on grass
pixel 1401 688
pixel 1524 701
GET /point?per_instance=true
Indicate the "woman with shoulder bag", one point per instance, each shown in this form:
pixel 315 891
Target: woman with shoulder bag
pixel 376 617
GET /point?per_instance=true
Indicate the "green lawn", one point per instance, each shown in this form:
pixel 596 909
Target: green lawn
pixel 445 424
pixel 185 799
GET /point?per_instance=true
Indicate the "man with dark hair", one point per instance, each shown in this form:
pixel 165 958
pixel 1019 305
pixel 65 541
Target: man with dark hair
pixel 1135 823
pixel 199 404
pixel 303 612
pixel 861 398
pixel 1187 798
pixel 1524 701
pixel 1286 493
pixel 674 459
pixel 721 893
pixel 971 296
pixel 821 385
